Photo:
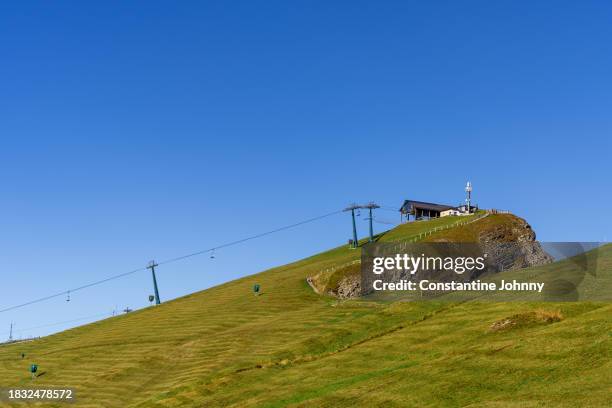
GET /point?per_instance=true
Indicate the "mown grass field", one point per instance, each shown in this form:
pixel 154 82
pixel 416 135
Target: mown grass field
pixel 291 347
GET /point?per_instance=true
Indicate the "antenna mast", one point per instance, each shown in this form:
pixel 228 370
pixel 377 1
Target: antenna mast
pixel 468 190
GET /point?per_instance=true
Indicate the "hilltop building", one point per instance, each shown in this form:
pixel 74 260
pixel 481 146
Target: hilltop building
pixel 452 211
pixel 424 210
pixel 421 209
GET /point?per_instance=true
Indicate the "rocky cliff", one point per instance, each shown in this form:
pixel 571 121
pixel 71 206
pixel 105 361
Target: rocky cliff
pixel 509 241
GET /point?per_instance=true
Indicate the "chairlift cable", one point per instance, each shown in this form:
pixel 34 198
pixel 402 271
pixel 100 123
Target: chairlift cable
pixel 59 323
pixel 167 261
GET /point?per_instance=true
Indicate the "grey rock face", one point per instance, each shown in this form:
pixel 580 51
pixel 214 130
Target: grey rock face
pixel 513 246
pixel 349 287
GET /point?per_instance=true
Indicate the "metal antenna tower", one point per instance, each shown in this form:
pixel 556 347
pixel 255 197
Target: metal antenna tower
pixel 468 190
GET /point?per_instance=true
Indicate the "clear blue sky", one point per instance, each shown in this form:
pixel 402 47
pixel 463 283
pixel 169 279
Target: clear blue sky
pixel 133 131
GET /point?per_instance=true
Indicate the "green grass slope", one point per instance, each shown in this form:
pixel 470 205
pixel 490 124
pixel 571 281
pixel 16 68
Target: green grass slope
pixel 291 347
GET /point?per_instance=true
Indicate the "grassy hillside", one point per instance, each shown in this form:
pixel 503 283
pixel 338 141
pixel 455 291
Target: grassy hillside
pixel 291 347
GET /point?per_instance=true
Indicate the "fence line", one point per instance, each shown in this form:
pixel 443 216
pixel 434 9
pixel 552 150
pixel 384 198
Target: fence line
pixel 422 235
pixel 497 211
pixel 335 268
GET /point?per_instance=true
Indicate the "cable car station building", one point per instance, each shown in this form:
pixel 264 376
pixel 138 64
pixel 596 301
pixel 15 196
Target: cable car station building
pixel 424 210
pixel 420 210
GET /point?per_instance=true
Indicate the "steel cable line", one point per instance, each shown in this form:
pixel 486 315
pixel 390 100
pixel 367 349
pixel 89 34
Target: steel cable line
pixel 384 208
pixel 167 261
pixel 386 222
pixel 240 241
pixel 65 292
pixel 17 330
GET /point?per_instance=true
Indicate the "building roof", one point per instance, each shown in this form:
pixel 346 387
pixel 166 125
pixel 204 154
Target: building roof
pixel 410 205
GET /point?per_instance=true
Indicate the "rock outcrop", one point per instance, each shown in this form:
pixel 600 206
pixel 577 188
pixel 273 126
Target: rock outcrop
pixel 512 245
pixel 508 240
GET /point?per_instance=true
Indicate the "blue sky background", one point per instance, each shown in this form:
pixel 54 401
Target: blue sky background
pixel 139 130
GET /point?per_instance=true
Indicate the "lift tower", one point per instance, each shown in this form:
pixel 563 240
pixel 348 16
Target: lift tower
pixel 370 206
pixel 352 209
pixel 152 266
